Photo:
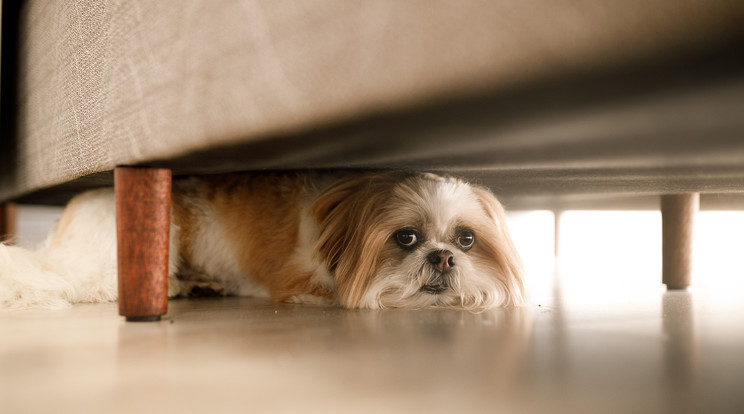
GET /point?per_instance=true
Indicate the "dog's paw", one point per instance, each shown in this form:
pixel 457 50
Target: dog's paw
pixel 174 286
pixel 202 289
pixel 197 285
pixel 308 299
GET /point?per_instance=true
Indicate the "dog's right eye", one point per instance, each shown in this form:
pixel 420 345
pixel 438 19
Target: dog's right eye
pixel 406 238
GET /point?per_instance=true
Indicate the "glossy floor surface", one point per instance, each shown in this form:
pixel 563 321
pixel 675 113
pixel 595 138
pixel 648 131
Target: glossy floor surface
pixel 577 348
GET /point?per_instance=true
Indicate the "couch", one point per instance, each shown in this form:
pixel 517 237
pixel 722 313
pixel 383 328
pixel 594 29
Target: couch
pixel 552 104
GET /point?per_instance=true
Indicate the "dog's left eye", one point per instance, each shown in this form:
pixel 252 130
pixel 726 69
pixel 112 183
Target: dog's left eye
pixel 406 238
pixel 465 239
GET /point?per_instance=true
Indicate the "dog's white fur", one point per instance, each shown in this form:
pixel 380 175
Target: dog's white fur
pixel 299 238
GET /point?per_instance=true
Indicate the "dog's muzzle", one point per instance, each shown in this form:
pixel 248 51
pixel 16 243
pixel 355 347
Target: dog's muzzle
pixel 443 261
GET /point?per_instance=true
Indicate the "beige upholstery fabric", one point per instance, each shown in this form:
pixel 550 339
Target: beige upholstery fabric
pixel 104 83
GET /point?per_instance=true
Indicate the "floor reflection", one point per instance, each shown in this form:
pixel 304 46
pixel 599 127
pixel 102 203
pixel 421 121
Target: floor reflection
pixel 606 349
pixel 680 351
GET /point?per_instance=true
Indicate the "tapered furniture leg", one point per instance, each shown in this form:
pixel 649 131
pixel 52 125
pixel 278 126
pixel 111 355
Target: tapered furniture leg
pixel 143 202
pixel 7 222
pixel 556 231
pixel 677 221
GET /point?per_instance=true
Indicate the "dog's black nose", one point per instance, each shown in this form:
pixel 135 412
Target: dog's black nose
pixel 443 260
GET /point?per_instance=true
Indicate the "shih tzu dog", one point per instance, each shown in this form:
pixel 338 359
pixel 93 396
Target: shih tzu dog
pixel 361 240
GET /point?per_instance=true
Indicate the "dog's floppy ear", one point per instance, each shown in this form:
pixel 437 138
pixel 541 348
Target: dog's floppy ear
pixel 500 249
pixel 352 233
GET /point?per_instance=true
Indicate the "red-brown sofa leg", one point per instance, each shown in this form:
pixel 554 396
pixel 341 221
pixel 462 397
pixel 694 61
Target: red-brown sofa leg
pixel 143 202
pixel 7 222
pixel 677 222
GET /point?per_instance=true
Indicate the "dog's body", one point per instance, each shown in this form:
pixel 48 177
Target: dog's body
pixel 360 240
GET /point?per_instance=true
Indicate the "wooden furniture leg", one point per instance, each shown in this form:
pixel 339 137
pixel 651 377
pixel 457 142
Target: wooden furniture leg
pixel 556 231
pixel 143 203
pixel 677 222
pixel 7 222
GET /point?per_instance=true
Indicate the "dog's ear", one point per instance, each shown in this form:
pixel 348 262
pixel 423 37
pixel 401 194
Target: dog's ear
pixel 498 248
pixel 352 233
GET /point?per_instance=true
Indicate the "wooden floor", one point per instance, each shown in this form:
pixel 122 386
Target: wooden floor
pixel 674 353
pixel 633 349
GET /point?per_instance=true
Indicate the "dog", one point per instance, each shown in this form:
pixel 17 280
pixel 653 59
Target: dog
pixel 359 240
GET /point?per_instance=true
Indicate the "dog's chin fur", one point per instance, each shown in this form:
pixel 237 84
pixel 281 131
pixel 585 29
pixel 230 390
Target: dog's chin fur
pixel 302 238
pixel 469 288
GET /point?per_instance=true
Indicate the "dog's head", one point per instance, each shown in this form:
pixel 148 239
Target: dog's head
pixel 417 240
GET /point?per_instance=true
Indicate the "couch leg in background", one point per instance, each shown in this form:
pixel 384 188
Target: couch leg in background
pixel 143 203
pixel 557 214
pixel 677 221
pixel 7 222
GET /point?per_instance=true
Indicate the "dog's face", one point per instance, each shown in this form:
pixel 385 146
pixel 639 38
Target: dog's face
pixel 413 241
